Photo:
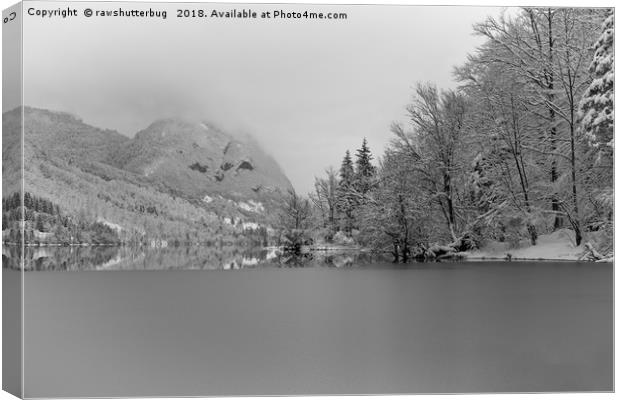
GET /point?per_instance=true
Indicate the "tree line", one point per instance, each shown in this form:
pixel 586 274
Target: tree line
pixel 522 147
pixel 45 223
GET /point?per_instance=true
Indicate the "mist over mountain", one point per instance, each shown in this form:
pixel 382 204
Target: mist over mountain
pixel 177 175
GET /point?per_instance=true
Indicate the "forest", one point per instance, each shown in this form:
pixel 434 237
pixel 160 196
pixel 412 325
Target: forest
pixel 47 223
pixel 523 147
pixel 44 223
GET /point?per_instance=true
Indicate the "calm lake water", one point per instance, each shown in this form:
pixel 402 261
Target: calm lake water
pixel 368 327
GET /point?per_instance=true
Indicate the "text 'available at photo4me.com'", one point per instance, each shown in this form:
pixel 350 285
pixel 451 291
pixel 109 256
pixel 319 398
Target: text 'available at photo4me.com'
pixel 197 12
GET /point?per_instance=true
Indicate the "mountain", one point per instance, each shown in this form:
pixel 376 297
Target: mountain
pixel 62 135
pixel 174 178
pixel 196 159
pixel 11 150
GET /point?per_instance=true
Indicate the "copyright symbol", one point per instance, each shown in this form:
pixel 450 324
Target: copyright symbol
pixel 88 12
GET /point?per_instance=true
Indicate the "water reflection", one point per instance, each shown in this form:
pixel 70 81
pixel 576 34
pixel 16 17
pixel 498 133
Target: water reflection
pixel 127 258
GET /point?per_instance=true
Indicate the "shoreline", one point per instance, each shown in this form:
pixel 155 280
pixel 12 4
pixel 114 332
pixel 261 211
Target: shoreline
pixel 519 259
pixel 475 256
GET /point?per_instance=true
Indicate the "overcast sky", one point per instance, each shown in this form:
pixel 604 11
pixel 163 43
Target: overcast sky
pixel 306 90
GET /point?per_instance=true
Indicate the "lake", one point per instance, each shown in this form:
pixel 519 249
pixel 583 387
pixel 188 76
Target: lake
pixel 360 327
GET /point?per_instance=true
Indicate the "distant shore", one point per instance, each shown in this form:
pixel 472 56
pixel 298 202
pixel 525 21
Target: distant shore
pixel 556 246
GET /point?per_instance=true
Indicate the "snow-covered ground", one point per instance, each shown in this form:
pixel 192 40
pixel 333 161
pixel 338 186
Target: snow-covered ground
pixel 559 245
pixel 252 206
pixel 109 224
pixel 250 225
pixel 207 199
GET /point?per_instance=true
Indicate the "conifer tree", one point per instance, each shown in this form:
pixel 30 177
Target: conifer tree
pixel 345 202
pixel 346 170
pixel 27 200
pixel 597 104
pixel 364 169
pixel 363 160
pixel 596 111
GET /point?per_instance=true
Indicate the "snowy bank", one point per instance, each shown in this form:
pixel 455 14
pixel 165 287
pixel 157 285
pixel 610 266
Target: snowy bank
pixel 558 245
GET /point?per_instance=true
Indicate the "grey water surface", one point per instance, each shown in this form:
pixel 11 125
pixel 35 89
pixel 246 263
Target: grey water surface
pixel 358 327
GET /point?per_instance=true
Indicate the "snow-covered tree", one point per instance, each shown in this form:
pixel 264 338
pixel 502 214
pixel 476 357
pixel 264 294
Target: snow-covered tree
pixel 438 123
pixel 597 104
pixel 506 155
pixel 364 170
pixel 505 178
pixel 325 198
pixel 346 194
pixel 597 121
pixel 547 51
pixel 397 214
pixel 346 170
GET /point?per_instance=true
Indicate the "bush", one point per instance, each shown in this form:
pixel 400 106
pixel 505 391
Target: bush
pixel 341 238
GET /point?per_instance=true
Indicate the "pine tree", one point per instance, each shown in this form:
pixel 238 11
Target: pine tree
pixel 596 110
pixel 39 225
pixel 27 200
pixel 364 170
pixel 346 170
pixel 345 202
pixel 597 104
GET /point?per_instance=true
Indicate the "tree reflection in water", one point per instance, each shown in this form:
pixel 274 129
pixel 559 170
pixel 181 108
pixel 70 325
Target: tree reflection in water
pixel 143 258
